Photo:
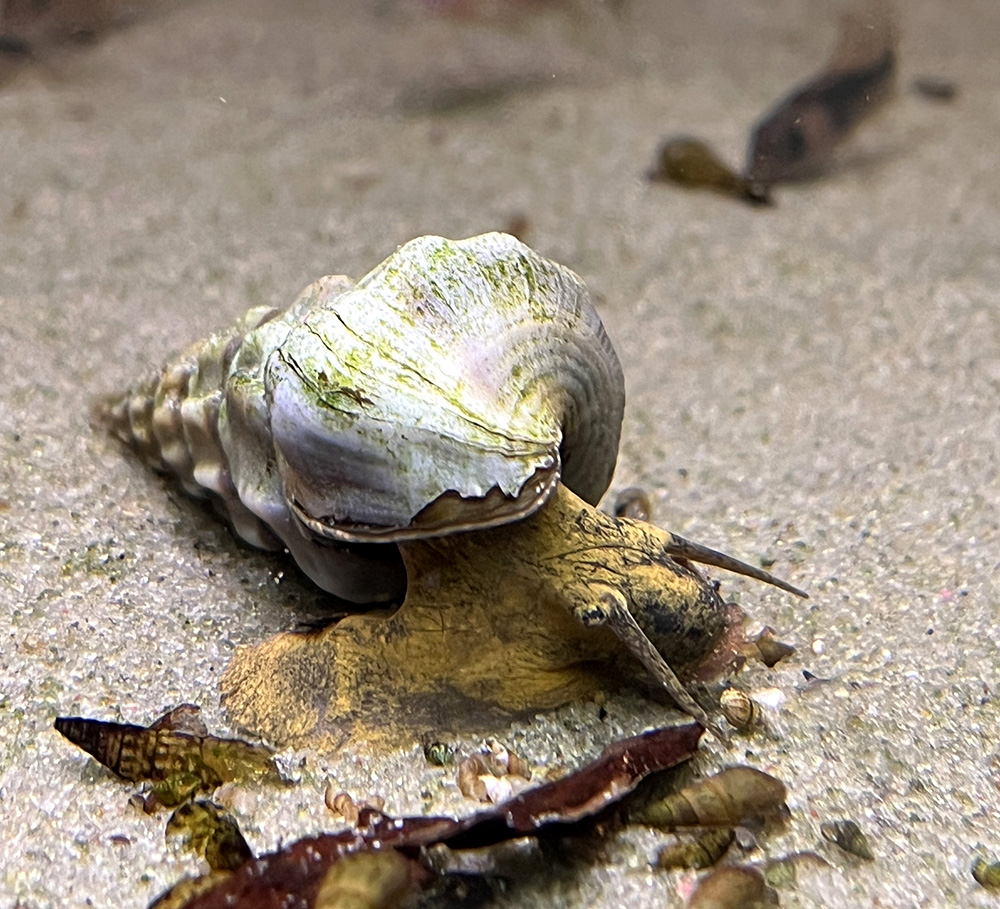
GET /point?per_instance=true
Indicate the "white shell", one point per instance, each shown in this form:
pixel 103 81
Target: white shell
pixel 450 389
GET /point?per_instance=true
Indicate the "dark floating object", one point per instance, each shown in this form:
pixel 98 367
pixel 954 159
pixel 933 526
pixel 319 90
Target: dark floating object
pixel 796 139
pixel 12 46
pixel 294 875
pixel 986 873
pixel 723 800
pixel 732 887
pixel 692 163
pixel 702 852
pixel 212 833
pixel 935 88
pixel 849 837
pixel 175 753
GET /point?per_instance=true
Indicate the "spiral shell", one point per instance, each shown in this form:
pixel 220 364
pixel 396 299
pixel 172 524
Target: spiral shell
pixel 450 389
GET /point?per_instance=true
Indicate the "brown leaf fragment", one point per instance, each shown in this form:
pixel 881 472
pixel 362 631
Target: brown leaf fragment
pixel 288 879
pixel 213 834
pixel 292 877
pixel 185 762
pixel 580 796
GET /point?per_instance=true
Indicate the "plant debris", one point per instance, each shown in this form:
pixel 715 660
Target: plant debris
pixel 293 877
pixel 175 753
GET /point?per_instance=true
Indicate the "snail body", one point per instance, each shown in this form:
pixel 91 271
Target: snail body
pixel 425 418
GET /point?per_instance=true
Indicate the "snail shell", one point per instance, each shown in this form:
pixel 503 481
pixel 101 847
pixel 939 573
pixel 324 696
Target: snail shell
pixel 450 389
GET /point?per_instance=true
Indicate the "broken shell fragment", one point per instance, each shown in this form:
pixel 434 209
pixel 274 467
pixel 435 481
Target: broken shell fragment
pixel 723 800
pixel 341 803
pixel 849 837
pixel 482 776
pixel 767 648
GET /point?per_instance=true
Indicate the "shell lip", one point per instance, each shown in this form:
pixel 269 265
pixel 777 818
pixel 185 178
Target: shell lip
pixel 449 513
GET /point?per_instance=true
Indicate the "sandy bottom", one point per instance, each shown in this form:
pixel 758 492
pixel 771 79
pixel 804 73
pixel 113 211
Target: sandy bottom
pixel 812 387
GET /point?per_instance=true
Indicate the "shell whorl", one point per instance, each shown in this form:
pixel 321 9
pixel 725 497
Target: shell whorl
pixel 448 390
pixel 171 420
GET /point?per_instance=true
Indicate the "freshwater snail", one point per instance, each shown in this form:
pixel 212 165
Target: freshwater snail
pixel 455 413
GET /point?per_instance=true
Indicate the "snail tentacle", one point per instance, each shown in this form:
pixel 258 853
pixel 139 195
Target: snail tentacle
pixel 680 548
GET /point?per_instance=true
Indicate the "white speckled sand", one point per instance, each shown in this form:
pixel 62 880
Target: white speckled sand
pixel 815 385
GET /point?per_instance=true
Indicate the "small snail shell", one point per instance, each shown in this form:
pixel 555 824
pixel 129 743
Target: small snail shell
pixel 723 800
pixel 738 708
pixel 450 389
